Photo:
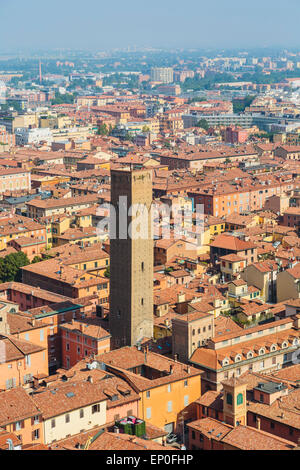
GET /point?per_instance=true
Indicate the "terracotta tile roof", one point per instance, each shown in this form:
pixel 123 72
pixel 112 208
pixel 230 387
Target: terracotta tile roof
pixel 211 428
pixel 233 258
pixel 114 441
pixel 248 438
pixel 240 437
pixel 224 325
pixel 212 399
pixel 213 359
pixel 290 374
pixel 295 271
pixel 34 291
pixel 63 202
pixel 17 348
pixel 18 224
pixel 19 323
pixel 67 397
pixel 125 359
pixel 4 436
pixel 88 327
pixel 266 266
pixel 16 405
pixel 230 242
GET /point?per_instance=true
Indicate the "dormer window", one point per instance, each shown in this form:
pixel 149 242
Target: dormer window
pixel 261 351
pixel 237 358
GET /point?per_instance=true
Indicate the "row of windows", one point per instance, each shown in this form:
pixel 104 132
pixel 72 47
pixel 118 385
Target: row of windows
pixel 169 406
pixel 169 388
pixel 203 330
pixel 95 409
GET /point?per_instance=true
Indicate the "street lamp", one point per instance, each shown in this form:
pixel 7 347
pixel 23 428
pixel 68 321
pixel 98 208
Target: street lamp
pixel 181 420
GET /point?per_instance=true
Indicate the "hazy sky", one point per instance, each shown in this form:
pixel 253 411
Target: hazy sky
pixel 105 24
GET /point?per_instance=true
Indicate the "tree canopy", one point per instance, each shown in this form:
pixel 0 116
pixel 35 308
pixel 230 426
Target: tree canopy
pixel 10 266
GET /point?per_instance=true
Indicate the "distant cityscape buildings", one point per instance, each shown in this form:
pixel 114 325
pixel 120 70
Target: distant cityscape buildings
pixel 122 325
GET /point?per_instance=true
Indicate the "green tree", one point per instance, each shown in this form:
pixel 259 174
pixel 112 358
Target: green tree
pixel 240 104
pixel 10 266
pixel 64 99
pixel 103 130
pixel 203 124
pixel 36 259
pixel 107 272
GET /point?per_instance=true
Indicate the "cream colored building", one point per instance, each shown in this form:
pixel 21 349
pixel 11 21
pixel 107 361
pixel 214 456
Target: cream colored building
pixel 70 409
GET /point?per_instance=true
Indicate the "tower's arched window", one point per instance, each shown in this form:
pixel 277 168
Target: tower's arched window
pixel 239 399
pixel 229 399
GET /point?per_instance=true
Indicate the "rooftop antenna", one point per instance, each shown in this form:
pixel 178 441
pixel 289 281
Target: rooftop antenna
pixel 40 71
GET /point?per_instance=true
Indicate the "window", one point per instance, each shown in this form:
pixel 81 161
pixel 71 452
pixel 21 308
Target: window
pixel 81 413
pixel 148 394
pixel 41 335
pixel 27 378
pixel 239 399
pixel 28 360
pixel 19 425
pixel 53 423
pixel 36 419
pixel 185 383
pixel 229 399
pixel 68 347
pixel 261 398
pixel 169 388
pixel 96 408
pixel 10 383
pixel 35 434
pixel 170 406
pixel 186 400
pixel 148 413
pixel 67 418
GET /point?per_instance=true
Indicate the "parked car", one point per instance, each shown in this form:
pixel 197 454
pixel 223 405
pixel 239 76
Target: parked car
pixel 171 438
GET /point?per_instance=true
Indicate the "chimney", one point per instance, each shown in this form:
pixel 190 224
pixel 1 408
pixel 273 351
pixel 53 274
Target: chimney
pixel 258 423
pixel 90 379
pixel 171 369
pixel 188 369
pixel 175 357
pixel 146 353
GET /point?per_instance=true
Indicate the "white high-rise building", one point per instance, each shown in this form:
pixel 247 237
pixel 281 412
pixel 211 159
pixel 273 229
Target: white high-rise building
pixel 162 74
